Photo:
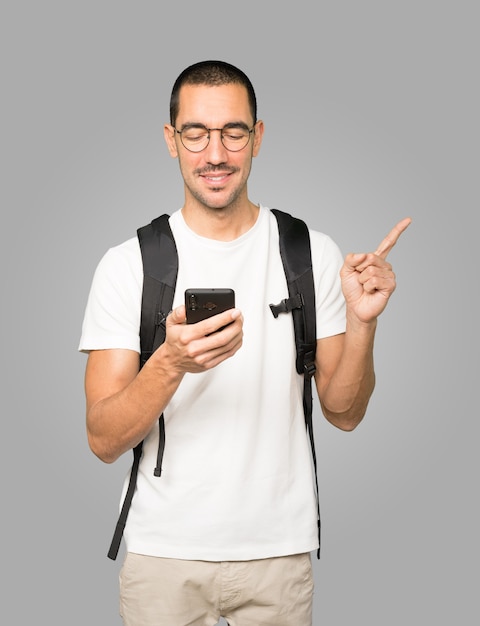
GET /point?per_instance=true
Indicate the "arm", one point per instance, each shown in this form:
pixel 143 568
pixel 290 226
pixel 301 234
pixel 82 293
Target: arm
pixel 123 403
pixel 345 375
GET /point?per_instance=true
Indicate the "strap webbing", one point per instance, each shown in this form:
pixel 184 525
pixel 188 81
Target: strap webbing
pixel 307 407
pixel 122 520
pixel 161 446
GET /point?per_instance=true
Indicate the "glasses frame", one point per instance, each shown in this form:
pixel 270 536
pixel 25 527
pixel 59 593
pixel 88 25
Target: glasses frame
pixel 209 130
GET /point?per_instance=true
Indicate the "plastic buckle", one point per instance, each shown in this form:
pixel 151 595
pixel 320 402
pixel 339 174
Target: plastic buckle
pixel 279 308
pixel 287 305
pixel 309 367
pixel 160 319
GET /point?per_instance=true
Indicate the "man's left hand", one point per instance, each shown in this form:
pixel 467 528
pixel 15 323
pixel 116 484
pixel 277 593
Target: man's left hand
pixel 368 280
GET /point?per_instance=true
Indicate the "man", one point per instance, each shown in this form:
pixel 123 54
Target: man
pixel 228 528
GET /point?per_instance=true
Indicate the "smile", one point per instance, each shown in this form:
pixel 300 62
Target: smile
pixel 216 179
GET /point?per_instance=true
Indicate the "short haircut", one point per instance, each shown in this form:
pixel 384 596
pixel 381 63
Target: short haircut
pixel 212 73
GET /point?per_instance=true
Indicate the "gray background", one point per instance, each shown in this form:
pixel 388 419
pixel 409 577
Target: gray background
pixel 371 114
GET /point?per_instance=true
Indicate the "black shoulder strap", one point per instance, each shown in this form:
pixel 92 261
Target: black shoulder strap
pixel 295 252
pixel 160 268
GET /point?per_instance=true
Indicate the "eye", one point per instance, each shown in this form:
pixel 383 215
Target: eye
pixel 234 136
pixel 194 135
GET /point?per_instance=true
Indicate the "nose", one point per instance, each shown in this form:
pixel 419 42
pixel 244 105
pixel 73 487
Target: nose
pixel 215 151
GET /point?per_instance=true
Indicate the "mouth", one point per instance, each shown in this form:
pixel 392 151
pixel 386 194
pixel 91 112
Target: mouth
pixel 216 177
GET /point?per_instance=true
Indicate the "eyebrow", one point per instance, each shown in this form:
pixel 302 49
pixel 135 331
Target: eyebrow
pixel 238 124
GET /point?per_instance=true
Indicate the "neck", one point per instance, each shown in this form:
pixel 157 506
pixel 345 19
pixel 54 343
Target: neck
pixel 222 224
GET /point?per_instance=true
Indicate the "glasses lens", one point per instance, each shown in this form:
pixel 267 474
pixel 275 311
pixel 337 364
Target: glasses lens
pixel 195 139
pixel 235 139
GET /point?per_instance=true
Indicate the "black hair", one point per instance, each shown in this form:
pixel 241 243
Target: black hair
pixel 212 73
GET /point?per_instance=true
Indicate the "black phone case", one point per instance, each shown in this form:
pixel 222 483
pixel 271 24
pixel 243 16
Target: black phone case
pixel 204 303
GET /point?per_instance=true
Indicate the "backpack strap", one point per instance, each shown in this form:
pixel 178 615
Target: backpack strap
pixel 160 268
pixel 295 252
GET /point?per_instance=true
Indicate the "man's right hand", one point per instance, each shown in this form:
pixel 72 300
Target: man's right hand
pixel 124 403
pixel 199 347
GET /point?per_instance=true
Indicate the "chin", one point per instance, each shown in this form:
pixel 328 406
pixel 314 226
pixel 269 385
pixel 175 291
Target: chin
pixel 220 204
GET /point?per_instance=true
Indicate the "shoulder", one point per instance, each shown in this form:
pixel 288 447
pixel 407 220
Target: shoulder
pixel 120 269
pixel 322 244
pixel 126 255
pixel 128 250
pixel 324 249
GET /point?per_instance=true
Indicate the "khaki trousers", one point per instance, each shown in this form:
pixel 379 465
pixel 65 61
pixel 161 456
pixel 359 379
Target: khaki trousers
pixel 169 592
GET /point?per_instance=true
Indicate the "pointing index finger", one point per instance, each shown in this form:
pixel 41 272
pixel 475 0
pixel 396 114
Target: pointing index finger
pixel 392 238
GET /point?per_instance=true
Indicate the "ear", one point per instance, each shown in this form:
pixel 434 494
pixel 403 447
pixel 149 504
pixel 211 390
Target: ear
pixel 169 134
pixel 257 137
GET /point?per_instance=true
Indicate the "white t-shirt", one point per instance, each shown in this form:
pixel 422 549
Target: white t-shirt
pixel 237 480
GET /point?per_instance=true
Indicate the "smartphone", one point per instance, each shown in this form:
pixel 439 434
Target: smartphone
pixel 204 303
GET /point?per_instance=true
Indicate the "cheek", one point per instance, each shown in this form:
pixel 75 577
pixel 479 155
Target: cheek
pixel 247 163
pixel 190 166
pixel 241 161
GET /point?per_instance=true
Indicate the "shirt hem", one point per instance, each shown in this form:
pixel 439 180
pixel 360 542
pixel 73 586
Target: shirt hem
pixel 244 554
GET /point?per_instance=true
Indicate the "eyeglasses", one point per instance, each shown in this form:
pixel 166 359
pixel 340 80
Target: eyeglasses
pixel 196 137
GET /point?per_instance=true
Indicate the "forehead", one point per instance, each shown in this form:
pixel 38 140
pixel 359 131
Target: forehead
pixel 213 106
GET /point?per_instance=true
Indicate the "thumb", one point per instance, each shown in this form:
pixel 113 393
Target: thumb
pixel 352 261
pixel 177 316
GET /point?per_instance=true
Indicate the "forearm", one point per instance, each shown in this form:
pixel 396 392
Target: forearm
pixel 345 397
pixel 120 420
pixel 124 403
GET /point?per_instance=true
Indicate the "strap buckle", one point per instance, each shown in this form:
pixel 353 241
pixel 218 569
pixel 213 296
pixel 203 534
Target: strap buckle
pixel 160 318
pixel 309 367
pixel 287 305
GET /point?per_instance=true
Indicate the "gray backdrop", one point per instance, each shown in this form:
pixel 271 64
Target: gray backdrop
pixel 371 114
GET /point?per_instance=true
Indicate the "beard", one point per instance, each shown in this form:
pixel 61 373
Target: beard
pixel 216 197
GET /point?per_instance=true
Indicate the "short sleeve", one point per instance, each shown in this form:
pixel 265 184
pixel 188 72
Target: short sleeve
pixel 112 314
pixel 330 303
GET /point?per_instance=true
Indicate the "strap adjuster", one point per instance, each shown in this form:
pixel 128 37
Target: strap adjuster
pixel 309 367
pixel 287 305
pixel 160 318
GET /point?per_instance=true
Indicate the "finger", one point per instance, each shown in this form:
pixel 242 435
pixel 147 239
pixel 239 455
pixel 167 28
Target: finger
pixel 392 238
pixel 177 316
pixel 219 321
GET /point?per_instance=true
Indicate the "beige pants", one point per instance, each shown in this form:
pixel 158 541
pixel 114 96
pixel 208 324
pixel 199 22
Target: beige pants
pixel 170 592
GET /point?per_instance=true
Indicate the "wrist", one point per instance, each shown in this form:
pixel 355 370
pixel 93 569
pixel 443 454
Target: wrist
pixel 359 327
pixel 164 366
